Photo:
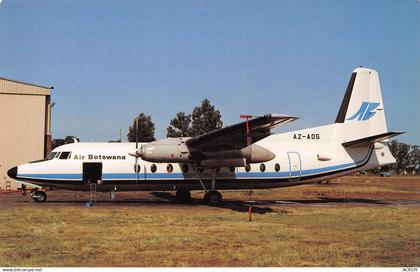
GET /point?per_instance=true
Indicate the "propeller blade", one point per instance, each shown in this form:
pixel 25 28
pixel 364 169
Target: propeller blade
pixel 137 133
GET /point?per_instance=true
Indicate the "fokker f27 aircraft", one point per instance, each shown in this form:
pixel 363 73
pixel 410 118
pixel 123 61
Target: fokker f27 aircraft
pixel 242 156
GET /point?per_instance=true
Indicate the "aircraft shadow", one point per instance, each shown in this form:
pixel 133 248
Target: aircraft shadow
pixel 237 206
pixel 353 200
pixel 328 200
pixel 164 198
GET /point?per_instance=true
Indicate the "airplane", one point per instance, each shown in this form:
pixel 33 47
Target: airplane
pixel 246 155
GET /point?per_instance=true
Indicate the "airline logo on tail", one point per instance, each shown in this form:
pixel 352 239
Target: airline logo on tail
pixel 365 112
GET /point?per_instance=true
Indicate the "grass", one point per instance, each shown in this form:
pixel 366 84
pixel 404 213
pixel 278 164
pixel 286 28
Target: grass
pixel 204 236
pixel 350 186
pixel 142 234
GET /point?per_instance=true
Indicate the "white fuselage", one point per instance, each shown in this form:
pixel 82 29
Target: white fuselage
pixel 304 156
pixel 356 141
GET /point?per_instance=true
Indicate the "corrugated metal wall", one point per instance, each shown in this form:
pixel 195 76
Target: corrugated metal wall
pixel 23 125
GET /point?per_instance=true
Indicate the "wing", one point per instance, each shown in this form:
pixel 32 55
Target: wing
pixel 235 137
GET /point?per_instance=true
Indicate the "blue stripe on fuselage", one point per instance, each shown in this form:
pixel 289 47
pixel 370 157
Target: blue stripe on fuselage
pixel 52 176
pixel 141 176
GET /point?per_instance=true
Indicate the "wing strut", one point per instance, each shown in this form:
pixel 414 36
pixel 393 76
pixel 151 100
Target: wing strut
pixel 196 172
pixel 211 196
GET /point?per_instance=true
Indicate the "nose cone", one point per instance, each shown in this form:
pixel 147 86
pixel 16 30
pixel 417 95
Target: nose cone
pixel 12 173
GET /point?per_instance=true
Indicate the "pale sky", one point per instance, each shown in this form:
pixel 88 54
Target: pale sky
pixel 110 60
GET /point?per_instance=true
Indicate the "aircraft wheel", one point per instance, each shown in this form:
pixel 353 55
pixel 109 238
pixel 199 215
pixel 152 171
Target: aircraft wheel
pixel 183 195
pixel 213 197
pixel 39 196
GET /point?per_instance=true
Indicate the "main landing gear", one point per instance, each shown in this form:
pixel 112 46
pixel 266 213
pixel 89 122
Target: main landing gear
pixel 212 196
pixel 39 196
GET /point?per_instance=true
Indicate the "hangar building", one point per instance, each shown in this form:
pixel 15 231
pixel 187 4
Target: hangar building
pixel 25 126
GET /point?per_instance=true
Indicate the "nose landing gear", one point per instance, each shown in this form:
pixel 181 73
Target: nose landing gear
pixel 39 196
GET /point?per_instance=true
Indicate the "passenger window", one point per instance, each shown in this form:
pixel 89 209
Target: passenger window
pixel 64 155
pixel 262 167
pixel 153 168
pixel 169 168
pixel 248 168
pixel 51 156
pixel 277 167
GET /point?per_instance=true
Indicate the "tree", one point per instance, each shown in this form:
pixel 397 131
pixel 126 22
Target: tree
pixel 180 126
pixel 414 160
pixel 57 142
pixel 146 129
pixel 407 156
pixel 69 139
pixel 401 153
pixel 407 159
pixel 205 119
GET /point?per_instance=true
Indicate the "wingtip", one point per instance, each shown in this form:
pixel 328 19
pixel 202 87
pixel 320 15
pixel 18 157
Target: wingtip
pixel 270 115
pixel 396 133
pixel 279 115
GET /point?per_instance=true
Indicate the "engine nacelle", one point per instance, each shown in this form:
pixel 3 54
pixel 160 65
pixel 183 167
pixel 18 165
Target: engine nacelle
pixel 256 154
pixel 175 150
pixel 169 150
pixel 253 154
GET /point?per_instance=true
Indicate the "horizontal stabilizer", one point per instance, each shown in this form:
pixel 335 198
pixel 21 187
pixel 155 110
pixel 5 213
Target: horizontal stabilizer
pixel 372 139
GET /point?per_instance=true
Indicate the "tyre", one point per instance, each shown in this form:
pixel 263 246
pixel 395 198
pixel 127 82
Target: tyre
pixel 39 196
pixel 213 197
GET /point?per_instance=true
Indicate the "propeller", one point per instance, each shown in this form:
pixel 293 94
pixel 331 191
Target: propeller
pixel 138 152
pixel 136 165
pixel 137 133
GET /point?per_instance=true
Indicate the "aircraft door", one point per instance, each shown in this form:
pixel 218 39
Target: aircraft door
pixel 92 172
pixel 295 167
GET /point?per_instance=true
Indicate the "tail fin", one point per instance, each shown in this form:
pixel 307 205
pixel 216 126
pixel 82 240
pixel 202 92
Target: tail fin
pixel 362 107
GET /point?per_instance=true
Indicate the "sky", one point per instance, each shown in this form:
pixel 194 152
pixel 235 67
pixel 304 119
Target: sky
pixel 110 60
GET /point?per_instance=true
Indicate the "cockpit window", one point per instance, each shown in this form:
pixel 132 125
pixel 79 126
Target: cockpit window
pixel 58 155
pixel 51 156
pixel 64 155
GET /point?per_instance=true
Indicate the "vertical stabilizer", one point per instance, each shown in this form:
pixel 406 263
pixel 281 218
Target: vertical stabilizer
pixel 362 108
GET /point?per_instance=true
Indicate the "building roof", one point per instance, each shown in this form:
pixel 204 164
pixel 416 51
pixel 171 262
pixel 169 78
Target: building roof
pixel 10 86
